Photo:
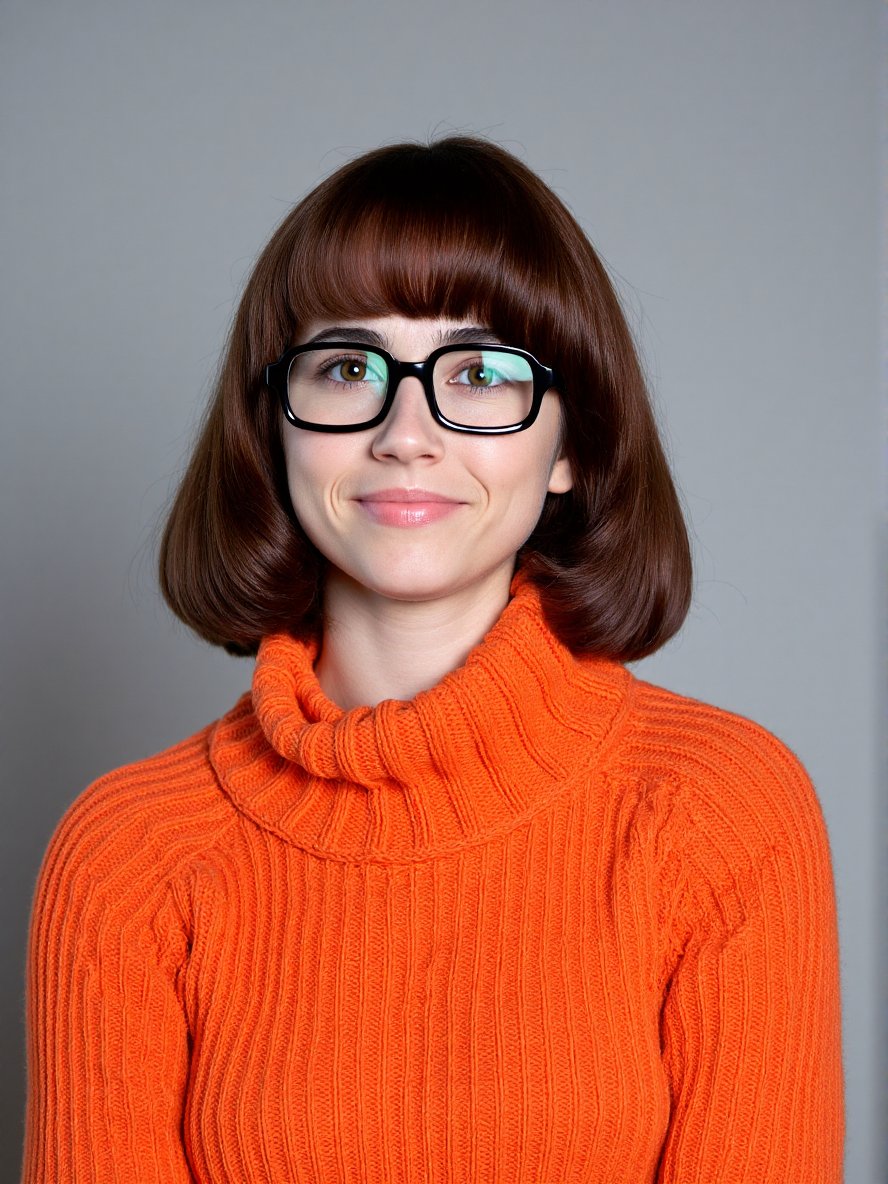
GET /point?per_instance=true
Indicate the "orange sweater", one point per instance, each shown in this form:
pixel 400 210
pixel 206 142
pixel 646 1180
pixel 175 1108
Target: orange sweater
pixel 542 924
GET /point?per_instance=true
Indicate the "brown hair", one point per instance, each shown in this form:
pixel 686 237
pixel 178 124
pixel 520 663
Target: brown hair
pixel 456 228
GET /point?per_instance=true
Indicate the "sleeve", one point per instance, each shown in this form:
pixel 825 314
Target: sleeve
pixel 750 1021
pixel 107 1038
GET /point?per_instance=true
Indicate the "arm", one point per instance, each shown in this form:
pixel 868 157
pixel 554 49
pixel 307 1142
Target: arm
pixel 750 1027
pixel 107 1037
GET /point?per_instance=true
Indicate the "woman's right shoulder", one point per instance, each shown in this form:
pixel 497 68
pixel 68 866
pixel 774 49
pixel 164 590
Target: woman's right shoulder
pixel 151 812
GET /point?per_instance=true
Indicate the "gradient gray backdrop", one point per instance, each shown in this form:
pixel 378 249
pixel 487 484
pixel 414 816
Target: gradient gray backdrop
pixel 724 157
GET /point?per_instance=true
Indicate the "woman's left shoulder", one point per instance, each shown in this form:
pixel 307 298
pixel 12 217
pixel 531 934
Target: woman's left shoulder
pixel 725 811
pixel 728 773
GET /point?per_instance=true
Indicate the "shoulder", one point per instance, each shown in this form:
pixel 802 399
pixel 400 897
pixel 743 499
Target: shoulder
pixel 131 828
pixel 702 745
pixel 703 739
pixel 720 790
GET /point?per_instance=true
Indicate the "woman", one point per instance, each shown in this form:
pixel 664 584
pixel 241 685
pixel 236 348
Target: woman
pixel 451 895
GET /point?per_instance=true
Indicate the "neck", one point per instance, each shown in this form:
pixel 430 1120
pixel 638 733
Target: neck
pixel 376 648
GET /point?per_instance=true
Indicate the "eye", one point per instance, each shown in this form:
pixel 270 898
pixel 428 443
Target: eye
pixel 480 375
pixel 352 370
pixel 349 369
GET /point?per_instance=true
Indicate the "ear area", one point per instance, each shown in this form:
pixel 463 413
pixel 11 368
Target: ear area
pixel 560 478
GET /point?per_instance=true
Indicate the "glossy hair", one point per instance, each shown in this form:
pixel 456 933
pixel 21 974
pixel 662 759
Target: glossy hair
pixel 458 228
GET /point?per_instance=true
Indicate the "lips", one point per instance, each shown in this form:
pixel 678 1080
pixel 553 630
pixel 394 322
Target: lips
pixel 406 507
pixel 407 495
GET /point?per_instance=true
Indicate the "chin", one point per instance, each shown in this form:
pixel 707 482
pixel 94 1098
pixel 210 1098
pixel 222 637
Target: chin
pixel 415 590
pixel 426 576
pixel 430 585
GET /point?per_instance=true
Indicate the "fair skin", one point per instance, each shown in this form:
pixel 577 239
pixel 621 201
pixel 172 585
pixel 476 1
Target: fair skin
pixel 413 585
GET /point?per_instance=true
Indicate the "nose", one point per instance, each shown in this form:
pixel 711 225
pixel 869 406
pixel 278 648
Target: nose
pixel 409 431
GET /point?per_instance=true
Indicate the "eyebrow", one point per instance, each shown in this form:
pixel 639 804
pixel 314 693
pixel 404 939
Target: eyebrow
pixel 462 336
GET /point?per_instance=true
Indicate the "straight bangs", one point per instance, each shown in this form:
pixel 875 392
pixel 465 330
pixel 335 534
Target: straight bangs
pixel 428 237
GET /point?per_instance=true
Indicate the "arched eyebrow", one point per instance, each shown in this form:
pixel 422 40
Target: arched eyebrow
pixel 465 335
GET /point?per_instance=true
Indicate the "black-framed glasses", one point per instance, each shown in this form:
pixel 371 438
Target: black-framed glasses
pixel 344 386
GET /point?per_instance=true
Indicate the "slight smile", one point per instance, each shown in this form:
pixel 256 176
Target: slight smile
pixel 407 507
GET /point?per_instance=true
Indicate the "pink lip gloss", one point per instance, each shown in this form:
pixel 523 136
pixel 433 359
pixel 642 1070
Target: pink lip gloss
pixel 408 513
pixel 407 507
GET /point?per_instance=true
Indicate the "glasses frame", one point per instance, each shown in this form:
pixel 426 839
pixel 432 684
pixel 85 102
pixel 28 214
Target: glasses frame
pixel 277 375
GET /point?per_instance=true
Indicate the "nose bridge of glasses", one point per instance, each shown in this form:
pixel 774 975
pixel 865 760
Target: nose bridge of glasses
pixel 398 371
pixel 401 370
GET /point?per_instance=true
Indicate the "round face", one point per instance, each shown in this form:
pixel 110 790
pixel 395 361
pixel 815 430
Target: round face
pixel 410 510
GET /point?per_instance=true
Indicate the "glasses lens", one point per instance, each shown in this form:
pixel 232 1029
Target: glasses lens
pixel 483 388
pixel 337 387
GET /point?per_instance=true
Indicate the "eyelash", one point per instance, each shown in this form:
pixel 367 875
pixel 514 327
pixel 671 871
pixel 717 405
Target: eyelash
pixel 332 363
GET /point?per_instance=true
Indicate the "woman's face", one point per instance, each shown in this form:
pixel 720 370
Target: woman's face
pixel 361 496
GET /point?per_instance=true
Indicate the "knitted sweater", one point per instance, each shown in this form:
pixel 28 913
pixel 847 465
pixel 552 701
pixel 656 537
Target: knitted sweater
pixel 543 924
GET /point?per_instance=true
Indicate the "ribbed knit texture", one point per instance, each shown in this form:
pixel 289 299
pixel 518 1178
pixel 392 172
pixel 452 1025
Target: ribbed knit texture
pixel 543 924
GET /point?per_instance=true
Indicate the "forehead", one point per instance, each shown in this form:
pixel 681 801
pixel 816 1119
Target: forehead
pixel 397 332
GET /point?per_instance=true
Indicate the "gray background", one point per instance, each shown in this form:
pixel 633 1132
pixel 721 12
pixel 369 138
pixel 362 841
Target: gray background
pixel 725 159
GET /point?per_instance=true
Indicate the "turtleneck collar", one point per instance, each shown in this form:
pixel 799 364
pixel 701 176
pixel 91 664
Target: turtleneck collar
pixel 471 758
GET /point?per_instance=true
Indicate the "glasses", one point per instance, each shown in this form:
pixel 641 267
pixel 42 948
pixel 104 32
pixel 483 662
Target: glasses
pixel 343 386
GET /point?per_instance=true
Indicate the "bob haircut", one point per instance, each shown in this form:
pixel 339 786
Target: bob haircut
pixel 459 228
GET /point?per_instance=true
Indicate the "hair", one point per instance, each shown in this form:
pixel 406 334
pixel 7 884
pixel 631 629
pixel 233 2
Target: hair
pixel 455 228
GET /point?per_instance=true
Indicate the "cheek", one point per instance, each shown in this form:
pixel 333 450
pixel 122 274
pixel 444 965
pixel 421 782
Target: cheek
pixel 517 484
pixel 523 467
pixel 313 459
pixel 310 471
